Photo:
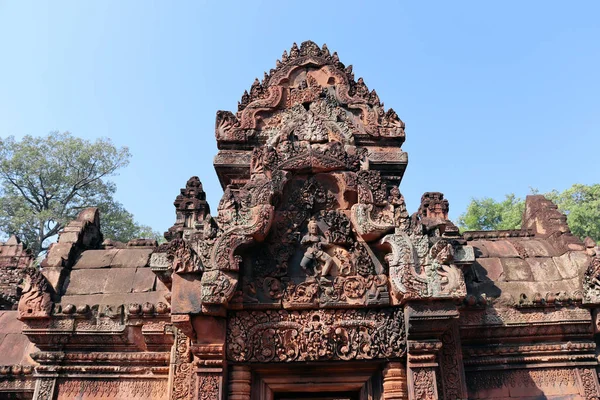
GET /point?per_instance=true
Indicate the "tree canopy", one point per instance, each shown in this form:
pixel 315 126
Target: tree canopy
pixel 46 181
pixel 581 204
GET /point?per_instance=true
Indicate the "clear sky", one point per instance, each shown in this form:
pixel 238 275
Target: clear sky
pixel 497 97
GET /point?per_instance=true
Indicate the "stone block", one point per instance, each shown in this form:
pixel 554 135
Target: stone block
pixel 492 269
pixel 480 249
pixel 501 249
pixel 55 277
pixel 58 255
pixel 9 322
pixel 544 269
pixel 565 267
pixel 119 280
pixel 86 281
pixel 68 237
pixel 538 248
pixel 515 288
pixel 115 299
pixel 144 280
pixel 580 259
pixel 131 258
pixel 185 298
pixel 13 348
pixel 101 281
pixel 516 269
pixel 95 259
pixel 572 264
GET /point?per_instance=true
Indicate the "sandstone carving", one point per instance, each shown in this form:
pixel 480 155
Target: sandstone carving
pixel 311 276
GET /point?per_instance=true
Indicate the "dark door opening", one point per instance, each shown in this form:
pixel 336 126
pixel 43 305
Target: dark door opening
pixel 318 396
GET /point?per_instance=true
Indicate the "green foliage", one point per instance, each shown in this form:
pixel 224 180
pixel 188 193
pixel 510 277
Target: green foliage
pixel 118 224
pixel 488 214
pixel 46 181
pixel 581 204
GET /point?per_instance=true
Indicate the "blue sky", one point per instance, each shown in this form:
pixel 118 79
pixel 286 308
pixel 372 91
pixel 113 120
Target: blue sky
pixel 497 97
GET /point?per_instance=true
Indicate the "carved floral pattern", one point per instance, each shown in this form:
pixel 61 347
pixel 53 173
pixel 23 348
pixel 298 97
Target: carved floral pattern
pixel 208 386
pixel 182 368
pixel 424 384
pixel 282 336
pixel 112 388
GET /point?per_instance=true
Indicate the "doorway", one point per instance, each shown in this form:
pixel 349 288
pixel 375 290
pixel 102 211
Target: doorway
pixel 318 396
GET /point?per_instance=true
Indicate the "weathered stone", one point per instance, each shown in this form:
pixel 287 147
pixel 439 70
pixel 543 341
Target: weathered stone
pixel 493 269
pixel 144 280
pixel 516 269
pixel 95 259
pixel 185 297
pixel 538 248
pixel 312 277
pixel 131 258
pixel 101 281
pixel 566 267
pixel 501 248
pixel 544 269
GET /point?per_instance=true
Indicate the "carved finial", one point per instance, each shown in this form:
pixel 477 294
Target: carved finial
pixel 335 57
pixel 284 57
pixel 325 50
pixel 255 89
pixel 294 51
pixel 373 97
pixel 310 48
pixel 277 64
pixel 265 78
pixel 361 88
pixel 191 208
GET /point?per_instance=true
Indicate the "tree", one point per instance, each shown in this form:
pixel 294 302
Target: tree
pixel 46 181
pixel 581 204
pixel 488 214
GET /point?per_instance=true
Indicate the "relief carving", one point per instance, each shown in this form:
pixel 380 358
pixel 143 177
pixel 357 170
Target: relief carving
pixel 591 281
pixel 182 367
pixel 282 336
pixel 35 301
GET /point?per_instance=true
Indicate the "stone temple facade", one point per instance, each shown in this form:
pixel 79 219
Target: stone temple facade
pixel 312 280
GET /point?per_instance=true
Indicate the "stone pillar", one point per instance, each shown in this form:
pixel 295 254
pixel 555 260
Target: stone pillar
pixel 240 379
pixel 394 382
pixel 209 357
pixel 452 369
pixel 422 379
pixel 180 372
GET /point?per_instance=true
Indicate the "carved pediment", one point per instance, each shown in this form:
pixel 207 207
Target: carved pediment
pixel 309 217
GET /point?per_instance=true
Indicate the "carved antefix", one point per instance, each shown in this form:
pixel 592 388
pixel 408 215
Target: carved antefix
pixel 35 300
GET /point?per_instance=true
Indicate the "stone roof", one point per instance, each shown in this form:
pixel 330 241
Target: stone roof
pixel 15 347
pixel 542 261
pixel 84 271
pixel 113 277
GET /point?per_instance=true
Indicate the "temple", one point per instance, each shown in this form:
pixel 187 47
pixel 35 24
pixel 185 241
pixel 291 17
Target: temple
pixel 311 280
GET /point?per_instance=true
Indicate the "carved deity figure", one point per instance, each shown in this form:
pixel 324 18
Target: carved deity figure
pixel 314 243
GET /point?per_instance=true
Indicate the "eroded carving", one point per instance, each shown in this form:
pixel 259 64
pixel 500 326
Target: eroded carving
pixel 35 300
pixel 282 336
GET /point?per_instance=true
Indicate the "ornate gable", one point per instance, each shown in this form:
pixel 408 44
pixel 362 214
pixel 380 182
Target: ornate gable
pixel 310 97
pixel 312 215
